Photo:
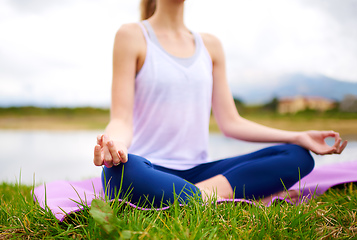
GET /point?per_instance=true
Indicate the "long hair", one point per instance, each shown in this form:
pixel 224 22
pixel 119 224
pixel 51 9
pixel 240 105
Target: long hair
pixel 147 8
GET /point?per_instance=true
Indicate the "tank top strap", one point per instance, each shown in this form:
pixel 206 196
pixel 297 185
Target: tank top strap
pixel 198 38
pixel 145 31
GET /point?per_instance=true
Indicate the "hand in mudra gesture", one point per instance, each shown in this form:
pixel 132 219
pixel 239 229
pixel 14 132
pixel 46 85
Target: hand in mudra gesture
pixel 315 142
pixel 108 152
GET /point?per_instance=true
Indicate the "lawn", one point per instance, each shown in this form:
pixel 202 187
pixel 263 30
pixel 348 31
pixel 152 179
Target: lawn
pixel 332 215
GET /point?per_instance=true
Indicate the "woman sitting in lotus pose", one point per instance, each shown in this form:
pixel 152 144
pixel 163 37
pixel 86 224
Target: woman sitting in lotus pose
pixel 166 78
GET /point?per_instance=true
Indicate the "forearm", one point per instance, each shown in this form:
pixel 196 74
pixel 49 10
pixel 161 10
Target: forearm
pixel 244 129
pixel 119 131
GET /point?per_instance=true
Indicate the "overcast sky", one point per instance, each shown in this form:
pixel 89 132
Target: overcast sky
pixel 59 52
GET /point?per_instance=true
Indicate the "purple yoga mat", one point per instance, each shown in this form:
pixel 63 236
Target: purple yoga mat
pixel 65 197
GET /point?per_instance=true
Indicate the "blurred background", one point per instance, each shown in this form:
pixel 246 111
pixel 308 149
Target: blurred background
pixel 290 64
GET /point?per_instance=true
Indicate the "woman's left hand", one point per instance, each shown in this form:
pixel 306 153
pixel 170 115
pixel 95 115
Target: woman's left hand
pixel 315 142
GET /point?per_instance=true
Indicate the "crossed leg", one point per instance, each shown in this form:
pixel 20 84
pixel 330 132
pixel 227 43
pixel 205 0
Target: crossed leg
pixel 259 175
pixel 218 187
pixel 215 187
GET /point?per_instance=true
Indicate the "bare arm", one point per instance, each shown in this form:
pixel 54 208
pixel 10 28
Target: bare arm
pixel 233 125
pixel 112 147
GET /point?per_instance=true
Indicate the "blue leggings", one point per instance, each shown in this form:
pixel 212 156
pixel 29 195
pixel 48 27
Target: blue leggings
pixel 253 175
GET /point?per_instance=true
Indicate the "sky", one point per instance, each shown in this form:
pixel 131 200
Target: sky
pixel 58 53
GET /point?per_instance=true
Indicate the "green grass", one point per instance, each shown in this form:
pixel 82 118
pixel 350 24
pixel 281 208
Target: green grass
pixel 37 111
pixel 249 111
pixel 332 215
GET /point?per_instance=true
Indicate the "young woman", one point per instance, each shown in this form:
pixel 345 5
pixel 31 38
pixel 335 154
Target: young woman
pixel 165 81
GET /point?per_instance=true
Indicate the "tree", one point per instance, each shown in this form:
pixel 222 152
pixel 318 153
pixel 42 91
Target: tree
pixel 272 105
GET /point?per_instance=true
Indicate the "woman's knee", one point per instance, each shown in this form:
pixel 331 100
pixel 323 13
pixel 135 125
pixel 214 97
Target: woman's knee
pixel 302 158
pixel 134 164
pixel 116 175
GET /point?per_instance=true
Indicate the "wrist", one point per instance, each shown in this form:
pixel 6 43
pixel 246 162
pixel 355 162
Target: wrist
pixel 120 141
pixel 296 138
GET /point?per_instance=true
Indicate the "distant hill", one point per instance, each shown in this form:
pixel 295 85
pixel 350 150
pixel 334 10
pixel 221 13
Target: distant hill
pixel 293 85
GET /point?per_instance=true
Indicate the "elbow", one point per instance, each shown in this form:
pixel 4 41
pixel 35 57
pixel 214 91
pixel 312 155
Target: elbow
pixel 227 133
pixel 230 128
pixel 226 129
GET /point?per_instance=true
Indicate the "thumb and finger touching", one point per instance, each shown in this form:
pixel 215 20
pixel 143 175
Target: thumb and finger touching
pixel 106 153
pixel 337 147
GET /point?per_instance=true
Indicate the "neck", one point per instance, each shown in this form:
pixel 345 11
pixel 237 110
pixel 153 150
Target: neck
pixel 168 14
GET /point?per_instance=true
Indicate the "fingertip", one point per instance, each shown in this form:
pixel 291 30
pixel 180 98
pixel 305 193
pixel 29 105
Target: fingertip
pixel 97 149
pixel 105 137
pixel 123 156
pixel 343 145
pixel 100 138
pixel 97 163
pixel 108 164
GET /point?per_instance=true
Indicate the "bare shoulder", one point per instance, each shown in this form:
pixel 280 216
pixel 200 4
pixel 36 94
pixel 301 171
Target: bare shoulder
pixel 210 39
pixel 129 34
pixel 213 44
pixel 129 30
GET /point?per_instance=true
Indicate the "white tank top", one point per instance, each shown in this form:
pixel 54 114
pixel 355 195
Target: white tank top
pixel 172 106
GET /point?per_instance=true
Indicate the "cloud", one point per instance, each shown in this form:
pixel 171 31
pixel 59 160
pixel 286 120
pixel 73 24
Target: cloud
pixel 343 12
pixel 36 6
pixel 59 52
pixel 341 35
pixel 264 39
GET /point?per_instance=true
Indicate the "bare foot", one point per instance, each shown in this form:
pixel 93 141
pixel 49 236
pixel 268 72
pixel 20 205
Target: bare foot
pixel 216 187
pixel 292 195
pixel 209 195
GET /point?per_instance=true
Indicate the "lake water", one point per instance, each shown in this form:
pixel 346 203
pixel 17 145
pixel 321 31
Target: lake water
pixel 44 156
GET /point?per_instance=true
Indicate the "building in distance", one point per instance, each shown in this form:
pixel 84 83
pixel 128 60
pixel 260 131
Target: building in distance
pixel 300 103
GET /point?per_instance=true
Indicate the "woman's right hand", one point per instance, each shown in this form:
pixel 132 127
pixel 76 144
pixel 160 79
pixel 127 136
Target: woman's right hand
pixel 108 152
